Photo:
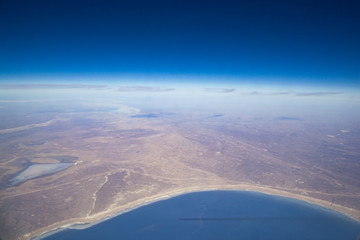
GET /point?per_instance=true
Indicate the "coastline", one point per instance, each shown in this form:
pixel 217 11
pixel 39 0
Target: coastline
pixel 83 223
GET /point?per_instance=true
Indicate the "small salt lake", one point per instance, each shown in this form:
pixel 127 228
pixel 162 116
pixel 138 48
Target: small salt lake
pixel 38 170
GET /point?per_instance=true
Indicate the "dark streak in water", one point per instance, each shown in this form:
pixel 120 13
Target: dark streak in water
pixel 254 219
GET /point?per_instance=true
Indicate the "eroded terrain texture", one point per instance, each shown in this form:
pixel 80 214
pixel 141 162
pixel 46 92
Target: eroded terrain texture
pixel 121 156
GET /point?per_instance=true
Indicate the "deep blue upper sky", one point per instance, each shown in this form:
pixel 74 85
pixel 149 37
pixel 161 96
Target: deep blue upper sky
pixel 304 39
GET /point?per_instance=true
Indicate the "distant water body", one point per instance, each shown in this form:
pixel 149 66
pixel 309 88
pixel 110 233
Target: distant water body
pixel 222 215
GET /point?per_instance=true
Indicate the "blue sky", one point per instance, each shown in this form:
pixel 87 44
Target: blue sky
pixel 289 41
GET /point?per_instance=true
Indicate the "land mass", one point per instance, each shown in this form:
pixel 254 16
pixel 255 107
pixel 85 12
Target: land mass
pixel 119 162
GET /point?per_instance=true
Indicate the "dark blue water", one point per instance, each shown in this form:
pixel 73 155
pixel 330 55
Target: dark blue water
pixel 223 215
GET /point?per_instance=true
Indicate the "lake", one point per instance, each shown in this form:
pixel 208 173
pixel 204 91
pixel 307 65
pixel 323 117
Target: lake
pixel 38 170
pixel 222 215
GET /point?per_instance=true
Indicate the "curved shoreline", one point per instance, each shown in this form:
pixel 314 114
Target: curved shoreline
pixel 82 223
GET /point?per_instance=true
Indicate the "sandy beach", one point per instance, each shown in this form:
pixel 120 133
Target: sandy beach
pixel 82 223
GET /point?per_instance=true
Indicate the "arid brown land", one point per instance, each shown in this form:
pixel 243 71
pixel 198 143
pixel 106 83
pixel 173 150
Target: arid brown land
pixel 122 160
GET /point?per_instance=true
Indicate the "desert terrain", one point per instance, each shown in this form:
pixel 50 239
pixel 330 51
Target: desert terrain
pixel 119 156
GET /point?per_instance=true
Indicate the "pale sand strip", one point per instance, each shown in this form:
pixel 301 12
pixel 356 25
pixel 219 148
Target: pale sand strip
pixel 81 223
pixel 16 129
